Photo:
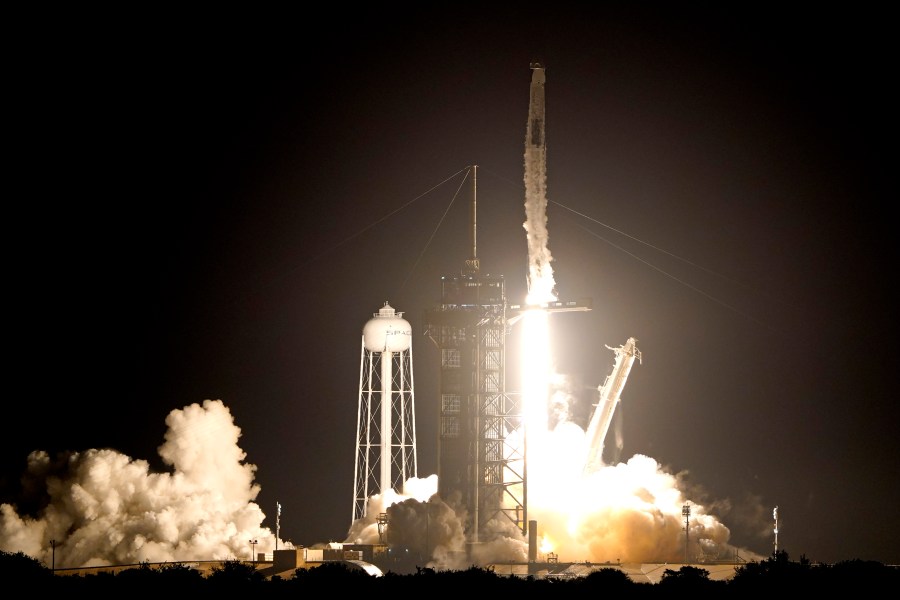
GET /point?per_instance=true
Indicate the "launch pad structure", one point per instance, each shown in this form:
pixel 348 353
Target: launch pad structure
pixel 477 466
pixel 482 462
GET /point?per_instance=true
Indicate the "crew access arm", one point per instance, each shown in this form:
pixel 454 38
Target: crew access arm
pixel 610 393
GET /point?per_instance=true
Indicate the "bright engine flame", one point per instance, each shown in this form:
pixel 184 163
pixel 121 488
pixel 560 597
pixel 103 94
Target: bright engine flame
pixel 535 370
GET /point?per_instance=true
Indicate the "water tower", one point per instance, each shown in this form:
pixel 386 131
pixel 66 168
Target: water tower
pixel 385 424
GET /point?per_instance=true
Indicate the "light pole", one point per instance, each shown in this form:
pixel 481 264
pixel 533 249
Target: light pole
pixel 775 517
pixel 53 555
pixel 382 520
pixel 253 544
pixel 686 513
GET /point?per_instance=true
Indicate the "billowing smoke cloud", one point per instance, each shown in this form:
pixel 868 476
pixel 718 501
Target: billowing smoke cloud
pixel 629 512
pixel 102 507
pixel 420 522
pixel 365 530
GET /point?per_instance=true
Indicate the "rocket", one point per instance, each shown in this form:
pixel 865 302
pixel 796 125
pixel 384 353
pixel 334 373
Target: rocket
pixel 540 272
pixel 534 136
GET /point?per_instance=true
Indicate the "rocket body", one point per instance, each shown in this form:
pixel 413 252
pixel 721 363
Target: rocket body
pixel 535 131
pixel 540 272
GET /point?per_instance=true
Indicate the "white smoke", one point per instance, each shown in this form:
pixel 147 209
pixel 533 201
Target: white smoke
pixel 628 511
pixel 365 529
pixel 105 508
pixel 420 522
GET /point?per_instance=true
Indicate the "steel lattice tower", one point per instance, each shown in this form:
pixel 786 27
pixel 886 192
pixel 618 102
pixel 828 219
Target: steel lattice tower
pixel 480 466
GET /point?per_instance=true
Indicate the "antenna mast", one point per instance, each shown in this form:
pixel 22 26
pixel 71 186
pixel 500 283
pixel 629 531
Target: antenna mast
pixel 472 264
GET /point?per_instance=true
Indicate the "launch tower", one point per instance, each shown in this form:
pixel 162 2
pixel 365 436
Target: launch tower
pixel 478 468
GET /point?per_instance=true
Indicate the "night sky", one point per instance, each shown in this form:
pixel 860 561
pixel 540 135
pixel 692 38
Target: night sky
pixel 211 207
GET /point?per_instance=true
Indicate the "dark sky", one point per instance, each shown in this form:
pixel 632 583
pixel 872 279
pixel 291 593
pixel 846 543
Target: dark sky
pixel 209 207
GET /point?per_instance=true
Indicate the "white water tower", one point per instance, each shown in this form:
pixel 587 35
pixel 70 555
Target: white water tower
pixel 386 420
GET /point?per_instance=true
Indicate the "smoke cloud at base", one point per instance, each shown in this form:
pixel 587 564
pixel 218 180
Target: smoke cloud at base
pixel 434 530
pixel 629 511
pixel 104 508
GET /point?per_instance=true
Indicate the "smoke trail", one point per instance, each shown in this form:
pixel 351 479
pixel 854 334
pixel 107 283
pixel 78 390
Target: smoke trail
pixel 104 508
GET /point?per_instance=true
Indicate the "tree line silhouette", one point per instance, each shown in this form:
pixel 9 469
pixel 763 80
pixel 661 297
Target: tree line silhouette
pixel 775 574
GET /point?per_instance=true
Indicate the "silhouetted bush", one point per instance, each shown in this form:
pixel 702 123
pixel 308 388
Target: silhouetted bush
pixel 774 575
pixel 691 581
pixel 168 576
pixel 180 574
pixel 608 580
pixel 235 574
pixel 21 567
pixel 861 576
